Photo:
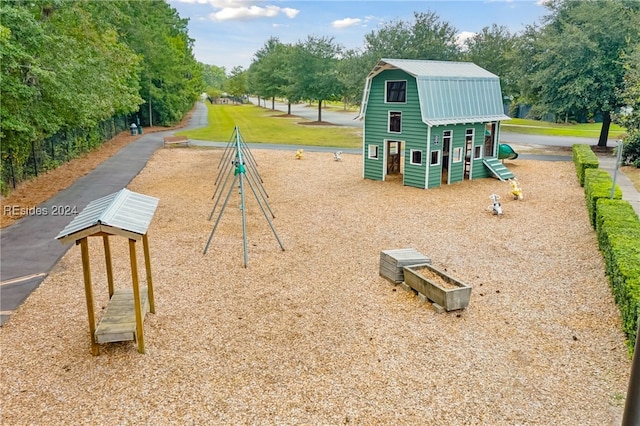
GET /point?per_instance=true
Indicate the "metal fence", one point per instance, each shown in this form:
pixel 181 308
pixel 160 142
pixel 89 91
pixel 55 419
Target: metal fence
pixel 48 154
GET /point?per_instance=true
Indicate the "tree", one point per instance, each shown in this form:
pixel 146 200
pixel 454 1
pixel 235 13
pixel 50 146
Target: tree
pixel 267 74
pixel 170 78
pixel 214 77
pixel 629 117
pixel 44 91
pixel 237 82
pixel 494 50
pixel 577 63
pixel 314 67
pixel 353 69
pixel 426 38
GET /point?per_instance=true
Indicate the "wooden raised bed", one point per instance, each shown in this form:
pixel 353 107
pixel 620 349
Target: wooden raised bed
pixel 437 286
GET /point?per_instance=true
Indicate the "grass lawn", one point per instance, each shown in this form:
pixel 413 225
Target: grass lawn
pixel 260 125
pixel 533 127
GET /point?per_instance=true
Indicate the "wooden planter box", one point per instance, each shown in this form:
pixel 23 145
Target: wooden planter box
pixel 437 286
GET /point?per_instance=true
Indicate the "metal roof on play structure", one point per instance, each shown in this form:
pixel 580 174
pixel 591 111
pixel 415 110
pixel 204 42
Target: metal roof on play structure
pixel 124 213
pixel 452 92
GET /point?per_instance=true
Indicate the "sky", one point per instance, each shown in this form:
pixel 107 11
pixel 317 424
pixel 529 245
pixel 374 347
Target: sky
pixel 228 33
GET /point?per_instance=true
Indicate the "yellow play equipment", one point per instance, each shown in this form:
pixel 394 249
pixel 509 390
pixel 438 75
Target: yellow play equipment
pixel 516 191
pixel 299 154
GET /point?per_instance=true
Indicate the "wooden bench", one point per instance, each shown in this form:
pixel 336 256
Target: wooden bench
pixel 118 324
pixel 175 140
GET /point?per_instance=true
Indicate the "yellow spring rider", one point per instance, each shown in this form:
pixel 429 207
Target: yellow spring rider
pixel 516 191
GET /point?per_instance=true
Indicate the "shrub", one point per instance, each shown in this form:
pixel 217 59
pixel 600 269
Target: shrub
pixel 631 150
pixel 597 185
pixel 618 230
pixel 584 158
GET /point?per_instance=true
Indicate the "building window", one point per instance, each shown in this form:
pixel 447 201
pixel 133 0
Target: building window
pixel 468 136
pixel 446 139
pixel 477 152
pixel 373 152
pixel 395 122
pixel 396 91
pixel 457 155
pixel 416 157
pixel 435 158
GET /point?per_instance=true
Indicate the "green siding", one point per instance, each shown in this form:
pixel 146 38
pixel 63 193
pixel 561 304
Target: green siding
pixel 373 168
pixel 414 137
pixel 413 132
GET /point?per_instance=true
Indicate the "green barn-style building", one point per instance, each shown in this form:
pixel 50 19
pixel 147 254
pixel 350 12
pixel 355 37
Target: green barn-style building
pixel 432 122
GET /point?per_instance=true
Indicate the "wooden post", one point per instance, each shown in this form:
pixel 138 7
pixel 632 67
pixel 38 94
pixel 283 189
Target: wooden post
pixel 107 256
pixel 147 264
pixel 86 269
pixel 136 296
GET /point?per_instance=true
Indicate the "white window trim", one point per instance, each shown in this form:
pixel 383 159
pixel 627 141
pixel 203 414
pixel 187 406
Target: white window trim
pixel 457 155
pixel 472 134
pixel 389 122
pixel 406 85
pixel 377 152
pixel 411 157
pixel 437 163
pixel 475 149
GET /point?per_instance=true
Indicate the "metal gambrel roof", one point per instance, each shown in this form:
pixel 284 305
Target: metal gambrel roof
pixel 451 92
pixel 124 213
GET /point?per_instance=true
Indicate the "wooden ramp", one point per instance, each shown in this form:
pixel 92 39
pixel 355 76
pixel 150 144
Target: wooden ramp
pixel 118 324
pixel 498 169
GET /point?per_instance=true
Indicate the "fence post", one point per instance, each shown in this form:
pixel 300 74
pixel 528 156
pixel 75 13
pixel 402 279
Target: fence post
pixel 13 173
pixel 33 154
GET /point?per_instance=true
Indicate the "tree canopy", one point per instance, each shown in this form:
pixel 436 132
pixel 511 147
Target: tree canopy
pixel 577 61
pixel 569 66
pixel 71 64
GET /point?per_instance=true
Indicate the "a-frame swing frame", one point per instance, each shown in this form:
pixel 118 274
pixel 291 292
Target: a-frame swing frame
pixel 237 159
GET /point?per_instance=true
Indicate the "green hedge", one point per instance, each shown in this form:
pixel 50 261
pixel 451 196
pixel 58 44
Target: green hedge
pixel 597 185
pixel 584 158
pixel 618 230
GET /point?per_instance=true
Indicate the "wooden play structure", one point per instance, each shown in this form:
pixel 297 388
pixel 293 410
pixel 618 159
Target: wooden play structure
pixel 431 123
pixel 126 214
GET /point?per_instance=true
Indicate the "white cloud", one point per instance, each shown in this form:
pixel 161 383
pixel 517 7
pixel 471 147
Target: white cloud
pixel 251 12
pixel 346 22
pixel 243 10
pixel 463 36
pixel 291 13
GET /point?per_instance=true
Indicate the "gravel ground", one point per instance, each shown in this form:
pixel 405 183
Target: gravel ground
pixel 313 335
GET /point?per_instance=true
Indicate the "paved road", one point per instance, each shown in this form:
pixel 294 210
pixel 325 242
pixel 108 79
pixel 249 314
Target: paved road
pixel 28 247
pixel 343 118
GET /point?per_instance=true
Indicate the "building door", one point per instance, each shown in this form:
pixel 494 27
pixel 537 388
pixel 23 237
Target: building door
pixel 490 140
pixel 446 155
pixel 393 157
pixel 468 151
pixel 468 148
